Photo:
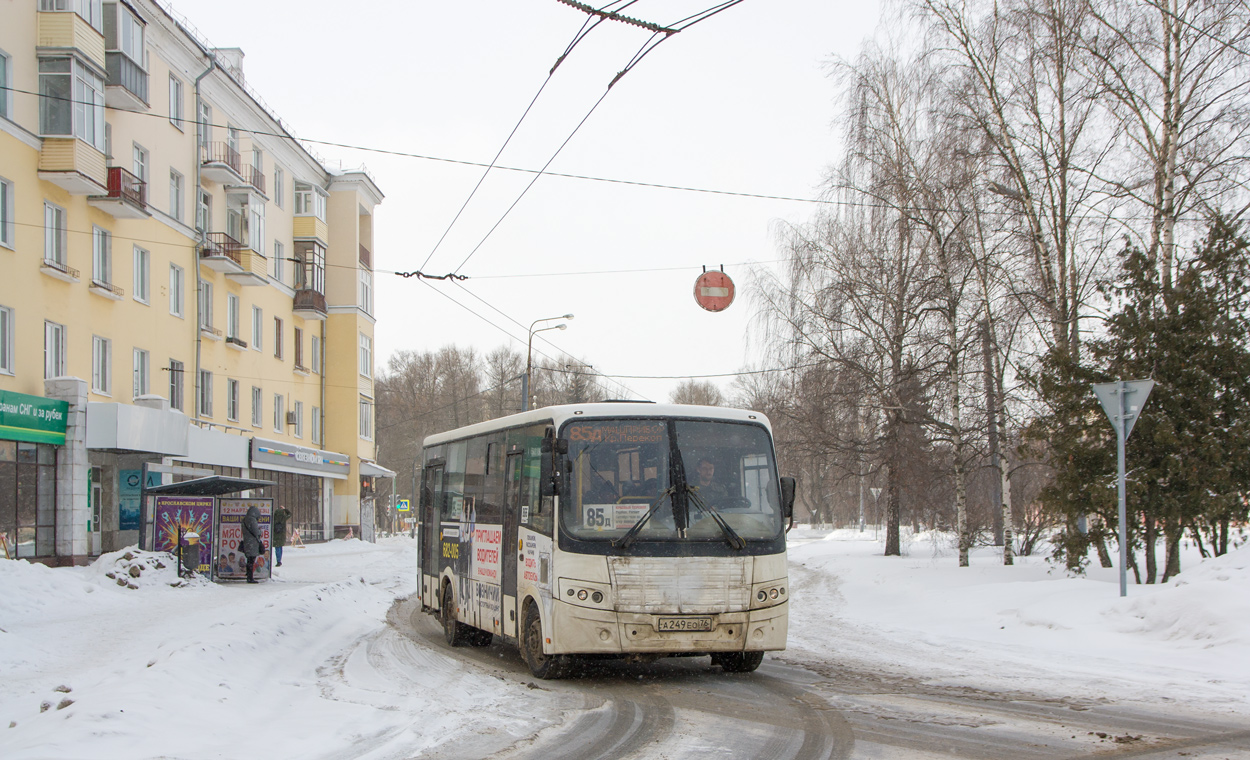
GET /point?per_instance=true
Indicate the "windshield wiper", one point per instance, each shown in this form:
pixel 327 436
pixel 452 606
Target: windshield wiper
pixel 624 541
pixel 735 541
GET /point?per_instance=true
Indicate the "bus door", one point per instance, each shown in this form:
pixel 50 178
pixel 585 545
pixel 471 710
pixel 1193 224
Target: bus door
pixel 432 498
pixel 512 503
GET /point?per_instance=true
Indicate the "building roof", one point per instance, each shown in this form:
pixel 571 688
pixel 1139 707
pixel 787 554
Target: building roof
pixel 213 485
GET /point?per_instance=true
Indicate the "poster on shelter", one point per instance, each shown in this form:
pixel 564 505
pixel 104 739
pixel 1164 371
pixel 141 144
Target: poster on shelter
pixel 177 516
pixel 131 487
pixel 231 563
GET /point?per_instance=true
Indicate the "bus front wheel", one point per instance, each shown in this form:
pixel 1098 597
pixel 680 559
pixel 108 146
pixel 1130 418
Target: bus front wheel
pixel 456 633
pixel 738 662
pixel 544 666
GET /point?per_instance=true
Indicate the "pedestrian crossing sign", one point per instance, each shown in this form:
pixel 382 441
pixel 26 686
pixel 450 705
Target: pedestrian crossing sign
pixel 401 505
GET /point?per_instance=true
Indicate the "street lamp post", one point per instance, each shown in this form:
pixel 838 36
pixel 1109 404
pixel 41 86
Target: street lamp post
pixel 529 348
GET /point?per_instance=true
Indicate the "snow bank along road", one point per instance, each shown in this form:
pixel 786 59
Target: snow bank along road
pixel 334 659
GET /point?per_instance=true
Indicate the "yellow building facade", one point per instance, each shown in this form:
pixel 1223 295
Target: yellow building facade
pixel 184 287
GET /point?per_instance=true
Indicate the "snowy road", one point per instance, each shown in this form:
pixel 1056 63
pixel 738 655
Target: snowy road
pixel 684 708
pixel 888 658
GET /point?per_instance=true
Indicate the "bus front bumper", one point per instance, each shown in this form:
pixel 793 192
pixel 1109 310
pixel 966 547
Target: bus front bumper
pixel 583 630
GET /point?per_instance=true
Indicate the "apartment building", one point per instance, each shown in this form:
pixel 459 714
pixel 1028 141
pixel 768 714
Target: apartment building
pixel 182 283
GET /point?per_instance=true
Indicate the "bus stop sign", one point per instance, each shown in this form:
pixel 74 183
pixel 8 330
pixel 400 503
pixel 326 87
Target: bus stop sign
pixel 714 291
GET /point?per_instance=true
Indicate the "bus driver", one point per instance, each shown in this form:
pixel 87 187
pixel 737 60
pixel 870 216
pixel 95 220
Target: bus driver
pixel 712 492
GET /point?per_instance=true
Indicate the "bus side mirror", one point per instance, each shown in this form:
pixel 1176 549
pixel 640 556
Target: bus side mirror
pixel 787 497
pixel 554 451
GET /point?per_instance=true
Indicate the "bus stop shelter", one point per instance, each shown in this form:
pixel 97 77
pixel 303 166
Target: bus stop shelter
pixel 186 519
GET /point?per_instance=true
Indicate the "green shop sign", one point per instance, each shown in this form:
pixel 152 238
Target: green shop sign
pixel 32 418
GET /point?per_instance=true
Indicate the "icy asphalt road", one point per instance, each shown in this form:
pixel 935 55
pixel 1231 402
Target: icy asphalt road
pixel 684 708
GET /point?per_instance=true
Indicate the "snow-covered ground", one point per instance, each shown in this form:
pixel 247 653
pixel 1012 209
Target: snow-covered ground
pixel 100 662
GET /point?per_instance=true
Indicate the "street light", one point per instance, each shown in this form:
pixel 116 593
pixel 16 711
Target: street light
pixel 529 347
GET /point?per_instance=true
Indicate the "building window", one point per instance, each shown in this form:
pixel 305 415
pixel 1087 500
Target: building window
pixel 130 37
pixel 101 364
pixel 278 421
pixel 298 345
pixel 316 425
pixel 279 260
pixel 143 275
pixel 139 162
pixel 315 354
pixel 309 201
pixel 258 328
pixel 175 101
pixel 232 316
pixel 6 84
pixel 232 400
pixel 257 410
pixel 206 305
pixel 176 371
pixel 204 211
pixel 256 231
pixel 310 266
pixel 366 419
pixel 204 402
pixel 6 341
pixel 206 125
pixel 366 291
pixel 279 187
pixel 277 338
pixel 7 224
pixel 101 256
pixel 366 355
pixel 175 195
pixel 53 350
pixel 176 281
pixel 71 102
pixel 143 373
pixel 297 411
pixel 54 232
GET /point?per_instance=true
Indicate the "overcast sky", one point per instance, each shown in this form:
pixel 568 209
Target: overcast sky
pixel 741 102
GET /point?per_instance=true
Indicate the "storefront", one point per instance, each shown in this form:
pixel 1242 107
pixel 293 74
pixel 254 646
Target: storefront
pixel 32 431
pixel 302 482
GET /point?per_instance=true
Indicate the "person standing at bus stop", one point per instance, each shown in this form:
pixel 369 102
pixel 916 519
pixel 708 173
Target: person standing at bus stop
pixel 252 545
pixel 281 516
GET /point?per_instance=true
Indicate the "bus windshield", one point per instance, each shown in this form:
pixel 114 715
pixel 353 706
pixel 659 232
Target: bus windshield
pixel 685 480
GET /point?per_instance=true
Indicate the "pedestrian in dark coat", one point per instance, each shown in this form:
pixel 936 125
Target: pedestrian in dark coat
pixel 253 547
pixel 280 517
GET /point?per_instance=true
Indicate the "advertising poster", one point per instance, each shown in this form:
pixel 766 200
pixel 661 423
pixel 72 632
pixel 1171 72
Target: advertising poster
pixel 231 564
pixel 131 486
pixel 184 514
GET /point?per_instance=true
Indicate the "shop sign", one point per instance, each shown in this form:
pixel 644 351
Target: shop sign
pixel 33 418
pixel 284 456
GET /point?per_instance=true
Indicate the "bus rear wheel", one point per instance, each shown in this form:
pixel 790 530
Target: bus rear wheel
pixel 738 662
pixel 456 633
pixel 544 666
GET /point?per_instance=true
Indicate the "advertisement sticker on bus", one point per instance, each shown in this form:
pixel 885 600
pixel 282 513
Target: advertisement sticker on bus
pixel 487 553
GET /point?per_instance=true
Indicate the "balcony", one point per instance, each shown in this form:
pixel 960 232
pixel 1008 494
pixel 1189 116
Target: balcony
pixel 222 253
pixel 66 30
pixel 253 268
pixel 310 304
pixel 58 270
pixel 255 177
pixel 73 165
pixel 236 342
pixel 366 258
pixel 106 289
pixel 309 228
pixel 220 163
pixel 127 196
pixel 127 84
pixel 210 332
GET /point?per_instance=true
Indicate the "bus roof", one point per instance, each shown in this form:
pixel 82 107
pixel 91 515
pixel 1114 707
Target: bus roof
pixel 560 414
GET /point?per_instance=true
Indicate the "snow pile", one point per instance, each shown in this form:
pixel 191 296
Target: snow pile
pixel 1028 626
pixel 1207 605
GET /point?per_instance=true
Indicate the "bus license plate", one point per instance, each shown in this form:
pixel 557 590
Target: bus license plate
pixel 685 624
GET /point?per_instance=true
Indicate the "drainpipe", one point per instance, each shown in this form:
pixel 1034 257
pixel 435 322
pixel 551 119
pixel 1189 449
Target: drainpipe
pixel 327 512
pixel 199 228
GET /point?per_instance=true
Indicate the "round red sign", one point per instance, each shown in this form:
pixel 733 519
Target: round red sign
pixel 714 291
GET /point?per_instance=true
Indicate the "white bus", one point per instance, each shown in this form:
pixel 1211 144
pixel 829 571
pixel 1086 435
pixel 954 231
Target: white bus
pixel 629 529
